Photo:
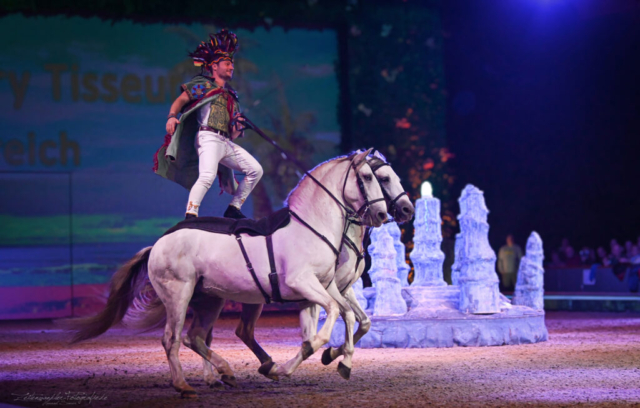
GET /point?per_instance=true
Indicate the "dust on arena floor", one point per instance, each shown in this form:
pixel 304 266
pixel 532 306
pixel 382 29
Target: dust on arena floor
pixel 591 359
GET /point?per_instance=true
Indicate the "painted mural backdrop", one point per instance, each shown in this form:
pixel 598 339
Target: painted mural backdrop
pixel 83 109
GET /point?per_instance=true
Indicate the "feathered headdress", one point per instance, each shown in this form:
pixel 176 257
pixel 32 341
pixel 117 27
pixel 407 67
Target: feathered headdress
pixel 221 46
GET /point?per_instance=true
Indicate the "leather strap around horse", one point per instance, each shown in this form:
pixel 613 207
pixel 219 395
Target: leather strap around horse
pixel 273 275
pixel 251 270
pixel 322 237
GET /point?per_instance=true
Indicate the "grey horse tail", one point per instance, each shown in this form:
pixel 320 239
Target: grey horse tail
pixel 123 287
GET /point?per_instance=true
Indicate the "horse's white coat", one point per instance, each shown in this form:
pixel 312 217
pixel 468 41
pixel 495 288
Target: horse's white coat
pixel 305 264
pixel 346 275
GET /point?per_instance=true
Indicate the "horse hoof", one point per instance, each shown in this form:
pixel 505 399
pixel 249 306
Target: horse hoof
pixel 216 385
pixel 266 368
pixel 189 394
pixel 326 357
pixel 307 350
pixel 187 342
pixel 230 380
pixel 344 371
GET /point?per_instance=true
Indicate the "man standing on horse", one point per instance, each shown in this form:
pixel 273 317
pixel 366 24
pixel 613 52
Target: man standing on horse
pixel 199 144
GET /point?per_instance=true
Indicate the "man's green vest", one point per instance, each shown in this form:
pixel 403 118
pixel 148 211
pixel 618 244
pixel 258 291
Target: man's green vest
pixel 177 158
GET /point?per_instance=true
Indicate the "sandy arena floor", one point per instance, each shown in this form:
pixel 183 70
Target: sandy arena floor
pixel 591 359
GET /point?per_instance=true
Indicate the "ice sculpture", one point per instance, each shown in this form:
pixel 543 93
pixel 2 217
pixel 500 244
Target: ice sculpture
pixel 529 288
pixel 358 288
pixel 478 281
pixel 403 268
pixel 427 257
pixel 388 301
pixel 455 268
pixel 429 313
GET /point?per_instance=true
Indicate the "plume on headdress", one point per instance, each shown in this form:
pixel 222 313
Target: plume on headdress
pixel 219 47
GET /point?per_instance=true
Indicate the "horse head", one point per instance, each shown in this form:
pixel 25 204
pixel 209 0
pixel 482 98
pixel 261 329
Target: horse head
pixel 362 191
pixel 398 202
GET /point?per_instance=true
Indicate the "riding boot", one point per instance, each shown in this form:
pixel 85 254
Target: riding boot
pixel 233 212
pixel 189 216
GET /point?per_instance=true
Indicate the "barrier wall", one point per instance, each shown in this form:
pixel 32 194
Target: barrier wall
pixel 582 279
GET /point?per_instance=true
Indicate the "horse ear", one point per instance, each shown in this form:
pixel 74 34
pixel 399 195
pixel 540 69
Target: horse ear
pixel 361 159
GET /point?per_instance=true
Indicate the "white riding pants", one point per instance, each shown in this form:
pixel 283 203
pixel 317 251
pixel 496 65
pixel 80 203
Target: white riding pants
pixel 214 149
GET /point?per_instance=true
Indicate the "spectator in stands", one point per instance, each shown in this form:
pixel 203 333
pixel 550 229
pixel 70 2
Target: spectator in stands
pixel 617 261
pixel 634 255
pixel 627 248
pixel 563 247
pixel 602 256
pixel 613 243
pixel 587 257
pixel 556 260
pixel 570 257
pixel 634 268
pixel 508 263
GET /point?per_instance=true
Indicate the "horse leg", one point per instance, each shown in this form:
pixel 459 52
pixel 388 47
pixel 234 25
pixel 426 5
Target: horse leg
pixel 364 324
pixel 314 292
pixel 245 331
pixel 176 296
pixel 347 349
pixel 206 312
pixel 309 313
pixel 361 316
pixel 207 367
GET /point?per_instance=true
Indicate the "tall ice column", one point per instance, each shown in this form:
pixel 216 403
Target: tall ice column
pixel 455 268
pixel 388 301
pixel 429 295
pixel 427 257
pixel 403 268
pixel 478 280
pixel 530 286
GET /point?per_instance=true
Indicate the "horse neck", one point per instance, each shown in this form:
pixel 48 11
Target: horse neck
pixel 316 207
pixel 356 234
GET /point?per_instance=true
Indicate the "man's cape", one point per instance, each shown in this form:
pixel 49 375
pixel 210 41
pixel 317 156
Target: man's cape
pixel 177 158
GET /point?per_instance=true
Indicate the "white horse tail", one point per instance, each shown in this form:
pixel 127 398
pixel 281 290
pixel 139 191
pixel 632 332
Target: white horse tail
pixel 124 285
pixel 147 312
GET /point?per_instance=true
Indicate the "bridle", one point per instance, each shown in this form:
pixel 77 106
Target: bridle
pixel 391 202
pixel 379 162
pixel 366 206
pixel 350 216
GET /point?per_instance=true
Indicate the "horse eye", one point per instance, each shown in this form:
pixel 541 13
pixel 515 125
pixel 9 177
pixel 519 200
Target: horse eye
pixel 384 180
pixel 367 177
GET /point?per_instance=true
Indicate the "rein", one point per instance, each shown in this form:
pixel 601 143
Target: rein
pixel 351 216
pixel 285 155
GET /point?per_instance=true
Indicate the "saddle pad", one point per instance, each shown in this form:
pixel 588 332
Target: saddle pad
pixel 263 227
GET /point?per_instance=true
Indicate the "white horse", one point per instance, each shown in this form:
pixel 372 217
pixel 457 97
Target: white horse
pixel 350 269
pixel 199 269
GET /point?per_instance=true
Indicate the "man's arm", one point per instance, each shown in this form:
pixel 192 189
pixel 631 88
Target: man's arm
pixel 235 132
pixel 176 107
pixel 520 254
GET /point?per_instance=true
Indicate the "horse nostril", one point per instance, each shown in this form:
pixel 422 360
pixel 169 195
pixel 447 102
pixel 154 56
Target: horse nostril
pixel 382 216
pixel 406 210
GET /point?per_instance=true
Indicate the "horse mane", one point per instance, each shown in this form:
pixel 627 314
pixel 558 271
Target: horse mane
pixel 375 162
pixel 304 176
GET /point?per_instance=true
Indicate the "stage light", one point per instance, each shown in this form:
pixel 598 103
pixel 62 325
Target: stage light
pixel 426 190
